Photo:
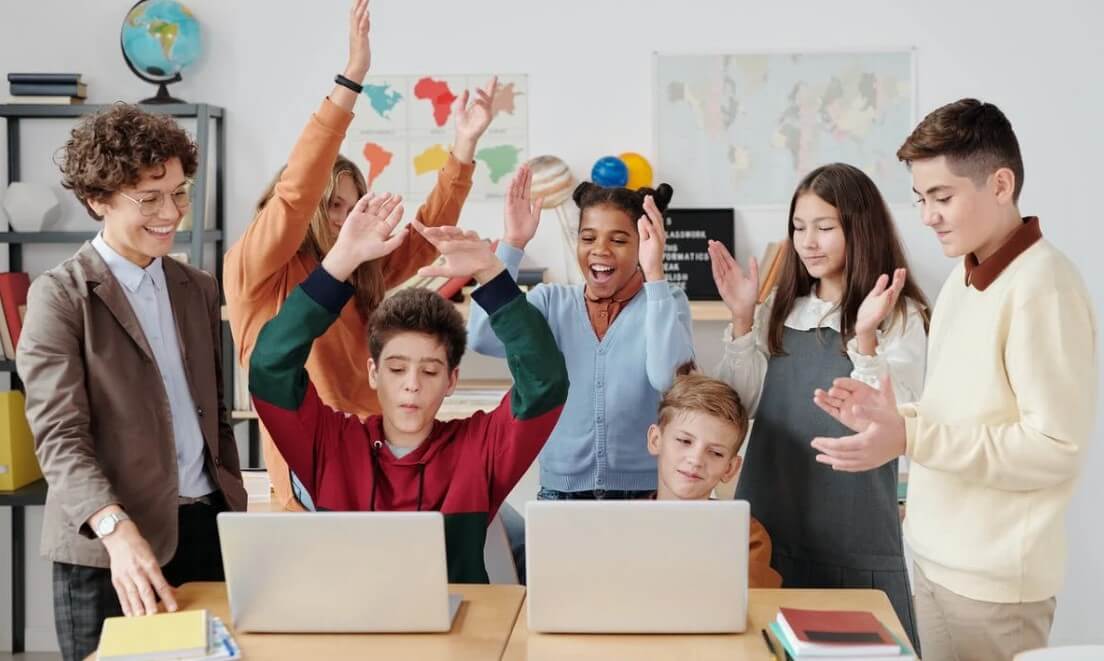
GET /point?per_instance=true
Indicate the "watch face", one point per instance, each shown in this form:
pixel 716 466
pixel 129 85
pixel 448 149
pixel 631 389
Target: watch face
pixel 107 525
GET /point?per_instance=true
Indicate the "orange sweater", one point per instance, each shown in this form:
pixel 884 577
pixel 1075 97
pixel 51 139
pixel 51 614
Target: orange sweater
pixel 265 266
pixel 760 573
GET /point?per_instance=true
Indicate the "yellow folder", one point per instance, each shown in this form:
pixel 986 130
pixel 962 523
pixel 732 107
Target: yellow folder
pixel 18 465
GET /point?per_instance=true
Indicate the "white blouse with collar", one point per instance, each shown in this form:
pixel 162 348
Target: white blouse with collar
pixel 901 351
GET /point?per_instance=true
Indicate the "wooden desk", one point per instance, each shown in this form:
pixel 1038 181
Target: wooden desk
pixel 479 631
pixel 527 646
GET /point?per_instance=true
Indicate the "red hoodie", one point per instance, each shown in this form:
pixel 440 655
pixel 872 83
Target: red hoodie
pixel 464 469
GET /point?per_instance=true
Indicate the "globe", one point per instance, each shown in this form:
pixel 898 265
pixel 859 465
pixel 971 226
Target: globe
pixel 160 38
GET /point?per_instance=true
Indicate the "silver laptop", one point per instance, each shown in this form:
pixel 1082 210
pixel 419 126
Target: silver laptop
pixel 349 572
pixel 637 566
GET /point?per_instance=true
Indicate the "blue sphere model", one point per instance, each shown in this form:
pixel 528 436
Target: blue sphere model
pixel 609 171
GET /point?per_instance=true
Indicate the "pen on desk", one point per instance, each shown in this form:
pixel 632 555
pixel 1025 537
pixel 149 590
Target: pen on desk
pixel 770 645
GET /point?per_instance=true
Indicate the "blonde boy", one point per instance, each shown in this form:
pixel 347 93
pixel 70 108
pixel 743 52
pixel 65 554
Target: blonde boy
pixel 696 442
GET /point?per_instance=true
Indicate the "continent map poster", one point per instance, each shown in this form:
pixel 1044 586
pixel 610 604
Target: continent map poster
pixel 404 127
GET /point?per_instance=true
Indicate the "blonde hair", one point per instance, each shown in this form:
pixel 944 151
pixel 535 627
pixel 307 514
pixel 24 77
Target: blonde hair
pixel 367 279
pixel 695 393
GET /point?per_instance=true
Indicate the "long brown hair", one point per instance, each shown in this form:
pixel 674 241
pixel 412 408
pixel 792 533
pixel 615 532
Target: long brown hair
pixel 367 279
pixel 872 248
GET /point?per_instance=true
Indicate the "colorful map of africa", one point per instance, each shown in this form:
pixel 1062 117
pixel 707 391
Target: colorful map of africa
pixel 383 98
pixel 378 159
pixel 500 160
pixel 437 92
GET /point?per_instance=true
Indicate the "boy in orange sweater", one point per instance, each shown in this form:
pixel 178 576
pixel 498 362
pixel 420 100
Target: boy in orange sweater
pixel 696 442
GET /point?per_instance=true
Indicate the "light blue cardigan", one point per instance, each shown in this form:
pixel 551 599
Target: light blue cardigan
pixel 601 439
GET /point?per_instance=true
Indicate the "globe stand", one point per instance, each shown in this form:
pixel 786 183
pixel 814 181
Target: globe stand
pixel 163 95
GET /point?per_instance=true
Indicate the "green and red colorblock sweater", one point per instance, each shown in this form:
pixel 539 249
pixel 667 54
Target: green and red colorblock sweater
pixel 464 469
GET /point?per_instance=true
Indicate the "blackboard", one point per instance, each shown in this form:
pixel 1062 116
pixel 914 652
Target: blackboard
pixel 686 256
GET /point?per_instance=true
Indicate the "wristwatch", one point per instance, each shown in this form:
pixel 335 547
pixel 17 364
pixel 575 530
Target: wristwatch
pixel 106 526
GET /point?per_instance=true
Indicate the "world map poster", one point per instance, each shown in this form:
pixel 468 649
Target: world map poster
pixel 742 129
pixel 404 127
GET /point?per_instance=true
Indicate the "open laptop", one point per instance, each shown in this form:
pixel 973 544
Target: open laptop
pixel 349 572
pixel 637 566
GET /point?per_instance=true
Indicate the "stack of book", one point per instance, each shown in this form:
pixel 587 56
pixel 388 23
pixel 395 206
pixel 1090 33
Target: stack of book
pixel 183 635
pixel 830 634
pixel 52 88
pixel 13 307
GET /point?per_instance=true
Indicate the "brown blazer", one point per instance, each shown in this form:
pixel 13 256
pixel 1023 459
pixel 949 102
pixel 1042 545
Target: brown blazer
pixel 99 411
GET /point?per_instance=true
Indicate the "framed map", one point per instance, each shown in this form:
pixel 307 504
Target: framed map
pixel 402 131
pixel 741 129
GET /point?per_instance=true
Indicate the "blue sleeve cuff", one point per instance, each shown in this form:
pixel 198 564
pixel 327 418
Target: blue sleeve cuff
pixel 659 290
pixel 496 293
pixel 509 255
pixel 326 290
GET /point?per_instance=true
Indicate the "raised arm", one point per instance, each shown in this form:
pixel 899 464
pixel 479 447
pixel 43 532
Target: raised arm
pixel 744 364
pixel 282 221
pixel 522 215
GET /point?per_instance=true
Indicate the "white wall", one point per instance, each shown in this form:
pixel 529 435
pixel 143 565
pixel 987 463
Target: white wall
pixel 589 67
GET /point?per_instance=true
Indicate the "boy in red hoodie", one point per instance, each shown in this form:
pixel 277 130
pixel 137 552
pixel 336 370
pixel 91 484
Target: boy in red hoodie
pixel 405 459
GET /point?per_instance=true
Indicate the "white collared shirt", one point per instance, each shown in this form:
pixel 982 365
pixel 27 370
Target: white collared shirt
pixel 148 294
pixel 901 351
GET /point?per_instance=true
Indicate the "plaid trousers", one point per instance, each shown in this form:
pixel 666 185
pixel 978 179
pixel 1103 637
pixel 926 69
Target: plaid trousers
pixel 84 596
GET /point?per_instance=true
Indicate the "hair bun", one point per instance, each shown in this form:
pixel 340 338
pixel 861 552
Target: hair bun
pixel 580 191
pixel 661 194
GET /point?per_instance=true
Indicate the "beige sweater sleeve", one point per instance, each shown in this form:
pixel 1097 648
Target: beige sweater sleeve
pixel 1050 356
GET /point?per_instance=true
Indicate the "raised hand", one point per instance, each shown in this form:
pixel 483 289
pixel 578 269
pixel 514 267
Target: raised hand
pixel 879 303
pixel 739 289
pixel 463 254
pixel 368 233
pixel 653 237
pixel 360 51
pixel 882 435
pixel 472 119
pixel 522 213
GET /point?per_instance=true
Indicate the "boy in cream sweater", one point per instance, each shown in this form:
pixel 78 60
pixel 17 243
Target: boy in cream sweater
pixel 996 438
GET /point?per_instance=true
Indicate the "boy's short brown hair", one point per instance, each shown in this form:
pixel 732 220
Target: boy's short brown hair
pixel 418 310
pixel 696 393
pixel 112 149
pixel 976 138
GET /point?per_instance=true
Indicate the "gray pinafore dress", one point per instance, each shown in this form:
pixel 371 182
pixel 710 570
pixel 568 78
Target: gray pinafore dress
pixel 828 529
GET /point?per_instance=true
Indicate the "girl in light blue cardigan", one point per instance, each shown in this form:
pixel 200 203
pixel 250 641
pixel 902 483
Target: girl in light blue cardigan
pixel 623 333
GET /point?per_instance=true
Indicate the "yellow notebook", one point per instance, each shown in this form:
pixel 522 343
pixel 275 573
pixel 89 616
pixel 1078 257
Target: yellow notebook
pixel 162 636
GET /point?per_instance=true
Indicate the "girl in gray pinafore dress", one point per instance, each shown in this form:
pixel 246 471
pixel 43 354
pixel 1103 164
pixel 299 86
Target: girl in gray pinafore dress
pixel 833 314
